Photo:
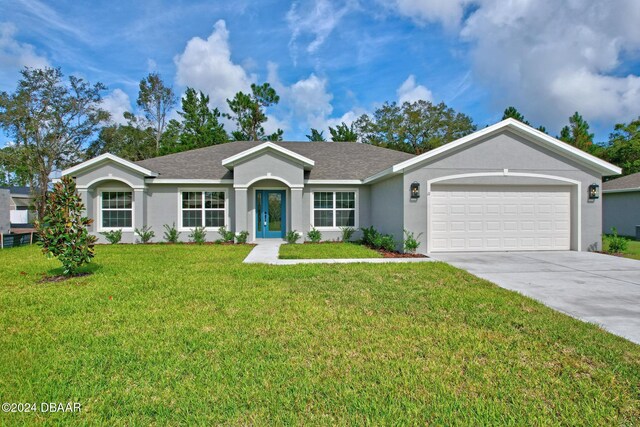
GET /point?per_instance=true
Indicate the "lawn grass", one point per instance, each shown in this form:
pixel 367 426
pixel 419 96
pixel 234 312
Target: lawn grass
pixel 633 249
pixel 326 251
pixel 187 334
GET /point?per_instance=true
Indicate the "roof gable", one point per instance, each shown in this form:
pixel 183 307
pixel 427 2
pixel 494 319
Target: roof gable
pixel 231 161
pixel 105 158
pixel 625 183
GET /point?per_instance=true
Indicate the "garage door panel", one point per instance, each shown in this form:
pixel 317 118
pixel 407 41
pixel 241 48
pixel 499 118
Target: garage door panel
pixel 473 218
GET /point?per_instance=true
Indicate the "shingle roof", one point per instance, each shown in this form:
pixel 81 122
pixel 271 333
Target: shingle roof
pixel 624 183
pixel 333 160
pixel 16 190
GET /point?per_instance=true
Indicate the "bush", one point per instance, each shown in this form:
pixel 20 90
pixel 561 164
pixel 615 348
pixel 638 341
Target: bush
pixel 241 237
pixel 373 238
pixel 145 234
pixel 369 235
pixel 171 234
pixel 63 230
pixel 113 236
pixel 411 243
pixel 314 235
pixel 617 244
pixel 292 236
pixel 347 233
pixel 227 236
pixel 198 235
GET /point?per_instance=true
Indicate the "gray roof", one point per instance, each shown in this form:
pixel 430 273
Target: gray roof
pixel 17 190
pixel 333 160
pixel 624 183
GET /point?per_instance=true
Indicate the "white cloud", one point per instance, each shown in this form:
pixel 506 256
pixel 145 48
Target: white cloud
pixel 117 103
pixel 316 17
pixel 15 55
pixel 549 58
pixel 448 12
pixel 206 65
pixel 409 91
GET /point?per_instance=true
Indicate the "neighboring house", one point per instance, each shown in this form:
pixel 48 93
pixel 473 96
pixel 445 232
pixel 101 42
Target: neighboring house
pixel 20 205
pixel 621 205
pixel 505 187
pixel 5 200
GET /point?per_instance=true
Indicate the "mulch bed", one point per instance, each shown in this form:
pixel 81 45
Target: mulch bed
pixel 61 278
pixel 386 254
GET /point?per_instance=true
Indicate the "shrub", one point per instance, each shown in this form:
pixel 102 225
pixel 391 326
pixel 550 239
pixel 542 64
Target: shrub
pixel 145 233
pixel 198 235
pixel 617 244
pixel 292 236
pixel 314 235
pixel 63 230
pixel 171 234
pixel 385 242
pixel 227 235
pixel 347 233
pixel 113 236
pixel 369 235
pixel 411 243
pixel 241 237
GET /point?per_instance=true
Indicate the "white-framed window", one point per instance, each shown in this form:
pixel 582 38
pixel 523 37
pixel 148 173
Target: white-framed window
pixel 202 208
pixel 334 209
pixel 116 210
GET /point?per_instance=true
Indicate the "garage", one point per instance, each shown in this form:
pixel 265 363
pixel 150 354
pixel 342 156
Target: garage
pixel 500 218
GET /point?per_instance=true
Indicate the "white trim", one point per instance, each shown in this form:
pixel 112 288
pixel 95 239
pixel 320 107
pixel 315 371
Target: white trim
pixel 621 190
pixel 105 157
pixel 356 192
pixel 333 181
pixel 99 227
pixel 109 178
pixel 187 181
pixel 506 173
pixel 181 228
pixel 253 212
pixel 230 161
pixel 276 178
pixel 518 127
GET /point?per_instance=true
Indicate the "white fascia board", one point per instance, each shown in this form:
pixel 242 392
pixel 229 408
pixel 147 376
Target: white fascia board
pixel 622 190
pixel 333 181
pixel 381 175
pixel 187 181
pixel 560 147
pixel 108 157
pixel 230 161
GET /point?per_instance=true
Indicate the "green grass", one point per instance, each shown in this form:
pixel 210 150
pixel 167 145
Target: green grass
pixel 633 249
pixel 326 251
pixel 187 334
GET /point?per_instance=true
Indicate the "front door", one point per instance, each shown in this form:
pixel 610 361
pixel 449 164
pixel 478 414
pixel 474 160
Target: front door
pixel 270 213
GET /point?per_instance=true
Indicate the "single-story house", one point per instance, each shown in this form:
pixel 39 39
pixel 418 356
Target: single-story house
pixel 5 200
pixel 621 205
pixel 20 205
pixel 507 187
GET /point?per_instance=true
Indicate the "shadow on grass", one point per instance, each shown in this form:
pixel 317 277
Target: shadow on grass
pixel 57 274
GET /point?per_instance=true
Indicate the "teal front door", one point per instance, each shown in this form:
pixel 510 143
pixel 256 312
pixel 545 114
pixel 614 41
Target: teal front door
pixel 271 213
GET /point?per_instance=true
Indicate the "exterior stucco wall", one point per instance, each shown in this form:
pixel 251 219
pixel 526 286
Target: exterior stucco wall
pixel 387 207
pixel 621 210
pixel 265 166
pixel 518 155
pixel 5 200
pixel 108 171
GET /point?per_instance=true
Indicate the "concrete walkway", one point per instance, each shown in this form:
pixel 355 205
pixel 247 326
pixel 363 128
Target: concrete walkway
pixel 593 287
pixel 266 252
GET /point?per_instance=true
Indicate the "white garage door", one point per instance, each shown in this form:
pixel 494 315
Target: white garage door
pixel 500 218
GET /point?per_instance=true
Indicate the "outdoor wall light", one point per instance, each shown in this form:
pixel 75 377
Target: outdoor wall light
pixel 594 191
pixel 415 190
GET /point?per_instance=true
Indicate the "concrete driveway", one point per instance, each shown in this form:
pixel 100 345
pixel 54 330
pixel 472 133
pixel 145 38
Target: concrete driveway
pixel 593 287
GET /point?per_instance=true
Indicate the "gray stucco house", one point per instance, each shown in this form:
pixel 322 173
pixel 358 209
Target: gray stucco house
pixel 5 200
pixel 621 205
pixel 505 187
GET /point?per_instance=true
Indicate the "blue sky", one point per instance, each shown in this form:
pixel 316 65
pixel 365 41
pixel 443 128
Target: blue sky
pixel 334 60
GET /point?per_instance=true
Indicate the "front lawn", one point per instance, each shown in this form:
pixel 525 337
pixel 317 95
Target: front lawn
pixel 187 334
pixel 326 251
pixel 633 249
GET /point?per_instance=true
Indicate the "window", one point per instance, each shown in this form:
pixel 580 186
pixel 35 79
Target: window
pixel 334 209
pixel 117 209
pixel 203 209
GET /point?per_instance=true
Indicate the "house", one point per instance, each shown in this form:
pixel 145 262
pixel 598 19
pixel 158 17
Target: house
pixel 5 200
pixel 20 205
pixel 621 205
pixel 505 187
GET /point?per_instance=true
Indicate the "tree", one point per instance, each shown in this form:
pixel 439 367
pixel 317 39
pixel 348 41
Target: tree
pixel 316 135
pixel 49 122
pixel 63 230
pixel 624 147
pixel 200 126
pixel 156 100
pixel 415 127
pixel 247 111
pixel 13 170
pixel 512 112
pixel 133 141
pixel 343 133
pixel 577 133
